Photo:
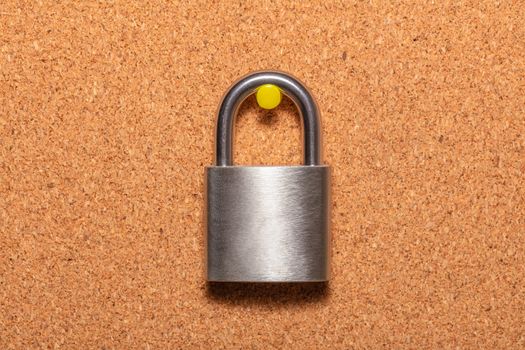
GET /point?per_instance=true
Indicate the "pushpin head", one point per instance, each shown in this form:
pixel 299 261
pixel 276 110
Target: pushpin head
pixel 268 96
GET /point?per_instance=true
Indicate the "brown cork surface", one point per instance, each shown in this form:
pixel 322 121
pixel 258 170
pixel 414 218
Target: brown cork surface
pixel 107 113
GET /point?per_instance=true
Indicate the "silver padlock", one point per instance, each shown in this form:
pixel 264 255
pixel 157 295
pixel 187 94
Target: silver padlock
pixel 268 223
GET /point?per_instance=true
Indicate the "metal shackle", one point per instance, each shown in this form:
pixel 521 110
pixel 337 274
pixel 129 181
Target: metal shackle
pixel 246 86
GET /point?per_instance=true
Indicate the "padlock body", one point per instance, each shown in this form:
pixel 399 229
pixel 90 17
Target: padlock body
pixel 267 223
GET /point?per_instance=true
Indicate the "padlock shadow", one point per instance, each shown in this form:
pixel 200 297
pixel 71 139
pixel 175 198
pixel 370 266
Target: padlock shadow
pixel 267 293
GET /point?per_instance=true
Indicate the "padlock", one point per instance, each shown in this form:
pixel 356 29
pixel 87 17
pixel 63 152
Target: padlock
pixel 268 223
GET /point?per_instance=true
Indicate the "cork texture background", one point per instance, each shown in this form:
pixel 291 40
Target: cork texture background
pixel 107 114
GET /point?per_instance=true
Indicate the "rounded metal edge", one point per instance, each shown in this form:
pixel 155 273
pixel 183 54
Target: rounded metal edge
pixel 269 281
pixel 293 88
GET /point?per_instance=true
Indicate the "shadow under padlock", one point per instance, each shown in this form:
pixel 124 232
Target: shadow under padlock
pixel 260 294
pixel 268 223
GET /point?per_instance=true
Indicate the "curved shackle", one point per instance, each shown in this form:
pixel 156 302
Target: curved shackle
pixel 246 86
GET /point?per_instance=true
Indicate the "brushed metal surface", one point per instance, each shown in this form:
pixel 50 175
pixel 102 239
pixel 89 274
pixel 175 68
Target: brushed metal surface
pixel 268 223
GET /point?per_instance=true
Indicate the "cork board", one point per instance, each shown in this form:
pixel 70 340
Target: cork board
pixel 106 123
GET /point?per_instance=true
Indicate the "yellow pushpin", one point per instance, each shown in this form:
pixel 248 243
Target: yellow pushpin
pixel 268 96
